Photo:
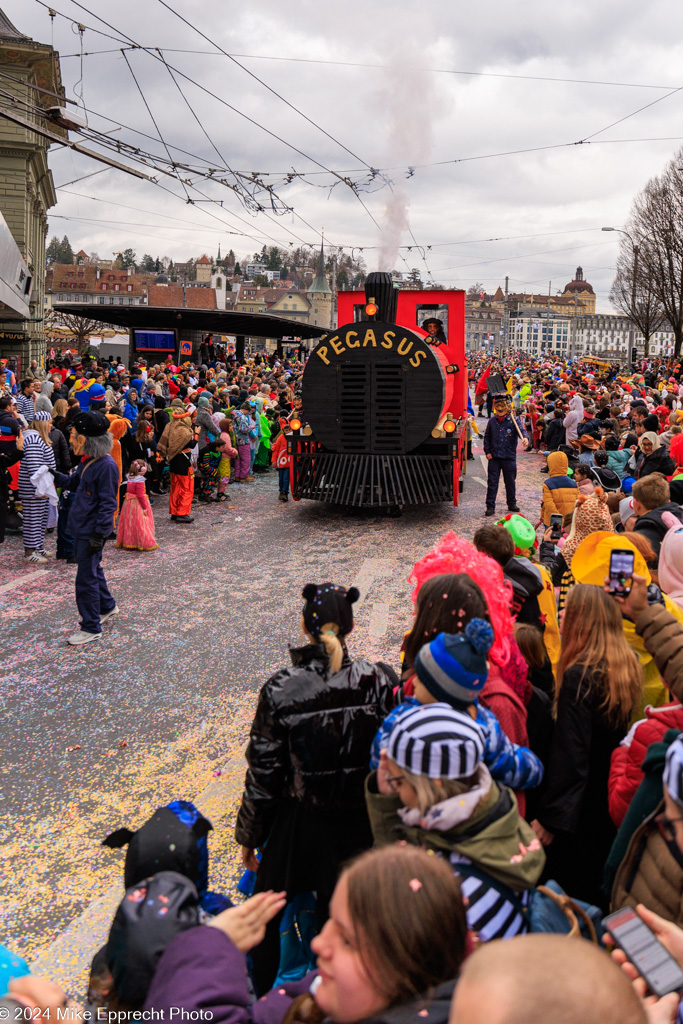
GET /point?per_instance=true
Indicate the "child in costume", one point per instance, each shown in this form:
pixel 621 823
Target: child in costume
pixel 282 461
pixel 136 522
pixel 228 452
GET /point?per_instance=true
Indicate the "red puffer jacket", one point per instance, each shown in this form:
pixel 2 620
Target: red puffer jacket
pixel 625 772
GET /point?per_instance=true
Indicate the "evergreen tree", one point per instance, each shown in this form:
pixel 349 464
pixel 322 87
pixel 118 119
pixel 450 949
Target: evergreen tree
pixel 148 263
pixel 66 252
pixel 238 270
pixel 128 258
pixel 53 252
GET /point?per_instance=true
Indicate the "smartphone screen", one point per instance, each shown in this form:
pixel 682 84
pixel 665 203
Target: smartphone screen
pixel 642 947
pixel 621 571
pixel 555 526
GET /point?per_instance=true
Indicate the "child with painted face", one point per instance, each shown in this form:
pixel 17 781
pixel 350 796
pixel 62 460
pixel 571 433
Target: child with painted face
pixel 433 789
pixel 396 938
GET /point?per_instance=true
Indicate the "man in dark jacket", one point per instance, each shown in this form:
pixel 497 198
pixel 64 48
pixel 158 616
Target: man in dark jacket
pixel 651 496
pixel 500 447
pixel 555 433
pixel 91 520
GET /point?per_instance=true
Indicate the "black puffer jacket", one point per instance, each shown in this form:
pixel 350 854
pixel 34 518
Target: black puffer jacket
pixel 311 737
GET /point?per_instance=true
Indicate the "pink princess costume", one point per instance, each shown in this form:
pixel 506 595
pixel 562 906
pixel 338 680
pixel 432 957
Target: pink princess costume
pixel 136 522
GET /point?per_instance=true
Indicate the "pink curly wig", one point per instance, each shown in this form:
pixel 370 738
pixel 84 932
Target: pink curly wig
pixel 453 554
pixel 676 449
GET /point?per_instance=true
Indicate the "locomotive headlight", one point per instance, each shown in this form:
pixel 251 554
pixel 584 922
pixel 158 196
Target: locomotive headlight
pixel 371 309
pixel 449 426
pixel 295 424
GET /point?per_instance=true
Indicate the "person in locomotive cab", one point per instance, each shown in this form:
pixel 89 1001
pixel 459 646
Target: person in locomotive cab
pixel 297 412
pixel 500 448
pixel 435 332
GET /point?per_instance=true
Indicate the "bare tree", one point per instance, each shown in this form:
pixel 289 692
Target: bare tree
pixel 81 327
pixel 656 225
pixel 633 294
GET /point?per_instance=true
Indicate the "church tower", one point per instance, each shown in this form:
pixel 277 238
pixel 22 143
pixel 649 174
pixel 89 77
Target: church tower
pixel 320 296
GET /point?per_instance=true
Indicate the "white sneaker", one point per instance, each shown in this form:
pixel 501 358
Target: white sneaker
pixel 82 638
pixel 36 558
pixel 107 615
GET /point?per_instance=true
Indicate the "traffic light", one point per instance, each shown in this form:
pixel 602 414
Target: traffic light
pixel 634 354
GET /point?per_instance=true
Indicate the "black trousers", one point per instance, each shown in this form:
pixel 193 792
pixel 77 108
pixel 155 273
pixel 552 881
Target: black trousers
pixel 508 467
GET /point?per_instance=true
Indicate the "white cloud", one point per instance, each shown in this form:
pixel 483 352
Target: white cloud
pixel 404 114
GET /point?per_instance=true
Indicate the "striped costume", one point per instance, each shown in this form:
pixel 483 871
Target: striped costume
pixel 34 510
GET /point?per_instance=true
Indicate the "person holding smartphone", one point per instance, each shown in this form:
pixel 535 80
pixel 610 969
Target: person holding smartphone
pixel 600 682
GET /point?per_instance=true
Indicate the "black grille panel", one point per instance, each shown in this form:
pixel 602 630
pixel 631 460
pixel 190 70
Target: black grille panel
pixel 373 480
pixel 353 403
pixel 388 407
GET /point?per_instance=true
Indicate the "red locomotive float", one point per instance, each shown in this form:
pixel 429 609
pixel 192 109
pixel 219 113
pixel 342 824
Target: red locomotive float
pixel 385 402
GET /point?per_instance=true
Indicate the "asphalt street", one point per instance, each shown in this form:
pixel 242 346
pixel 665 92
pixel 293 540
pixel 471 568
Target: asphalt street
pixel 97 737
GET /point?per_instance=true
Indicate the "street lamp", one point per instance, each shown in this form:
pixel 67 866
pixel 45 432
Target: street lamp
pixel 633 286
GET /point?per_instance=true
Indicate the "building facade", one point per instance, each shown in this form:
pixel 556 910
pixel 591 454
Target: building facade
pixel 484 328
pixel 31 74
pixel 540 335
pixel 612 336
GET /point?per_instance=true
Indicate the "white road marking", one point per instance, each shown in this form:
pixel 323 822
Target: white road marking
pixel 484 483
pixel 484 462
pixel 21 580
pixel 379 618
pixel 371 569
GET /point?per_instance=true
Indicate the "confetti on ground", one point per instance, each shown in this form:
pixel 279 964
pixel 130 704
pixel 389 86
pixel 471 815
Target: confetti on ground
pixel 204 621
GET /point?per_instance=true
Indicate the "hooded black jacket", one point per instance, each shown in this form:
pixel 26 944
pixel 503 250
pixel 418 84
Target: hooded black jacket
pixel 652 526
pixel 311 737
pixel 658 461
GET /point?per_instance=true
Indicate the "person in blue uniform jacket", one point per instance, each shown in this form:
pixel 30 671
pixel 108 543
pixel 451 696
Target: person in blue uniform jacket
pixel 91 519
pixel 500 448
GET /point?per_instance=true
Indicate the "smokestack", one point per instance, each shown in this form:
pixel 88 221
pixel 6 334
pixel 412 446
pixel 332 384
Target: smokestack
pixel 380 289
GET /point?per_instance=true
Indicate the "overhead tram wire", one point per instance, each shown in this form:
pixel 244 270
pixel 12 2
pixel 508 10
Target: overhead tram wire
pixel 153 119
pixel 343 180
pixel 633 113
pixel 205 132
pixel 340 178
pixel 261 82
pixel 389 67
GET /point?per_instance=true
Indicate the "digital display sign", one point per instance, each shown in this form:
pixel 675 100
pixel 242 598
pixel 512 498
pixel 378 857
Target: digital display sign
pixel 154 341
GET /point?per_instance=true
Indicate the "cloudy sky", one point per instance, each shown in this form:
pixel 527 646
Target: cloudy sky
pixel 438 96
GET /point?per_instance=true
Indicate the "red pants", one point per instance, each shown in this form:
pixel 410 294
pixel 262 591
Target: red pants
pixel 182 489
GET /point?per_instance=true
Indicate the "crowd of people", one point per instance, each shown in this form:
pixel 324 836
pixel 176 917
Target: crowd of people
pixel 187 431
pixel 440 838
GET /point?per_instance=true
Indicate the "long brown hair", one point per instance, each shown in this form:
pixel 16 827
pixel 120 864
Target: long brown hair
pixel 593 638
pixel 439 601
pixel 408 914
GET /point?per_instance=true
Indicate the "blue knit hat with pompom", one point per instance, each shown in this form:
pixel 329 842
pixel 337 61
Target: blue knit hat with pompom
pixel 454 667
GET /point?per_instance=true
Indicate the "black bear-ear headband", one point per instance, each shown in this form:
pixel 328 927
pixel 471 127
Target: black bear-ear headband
pixel 311 589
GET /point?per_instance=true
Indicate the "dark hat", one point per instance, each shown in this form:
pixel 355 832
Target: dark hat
pixel 651 422
pixel 453 666
pixel 163 843
pixel 437 741
pixel 328 603
pixel 148 918
pixel 91 424
pixel 673 770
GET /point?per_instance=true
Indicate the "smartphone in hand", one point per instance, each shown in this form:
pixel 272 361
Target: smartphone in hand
pixel 653 962
pixel 555 526
pixel 621 564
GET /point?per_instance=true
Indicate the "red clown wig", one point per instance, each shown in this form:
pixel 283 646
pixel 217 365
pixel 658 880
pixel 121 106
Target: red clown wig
pixel 453 554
